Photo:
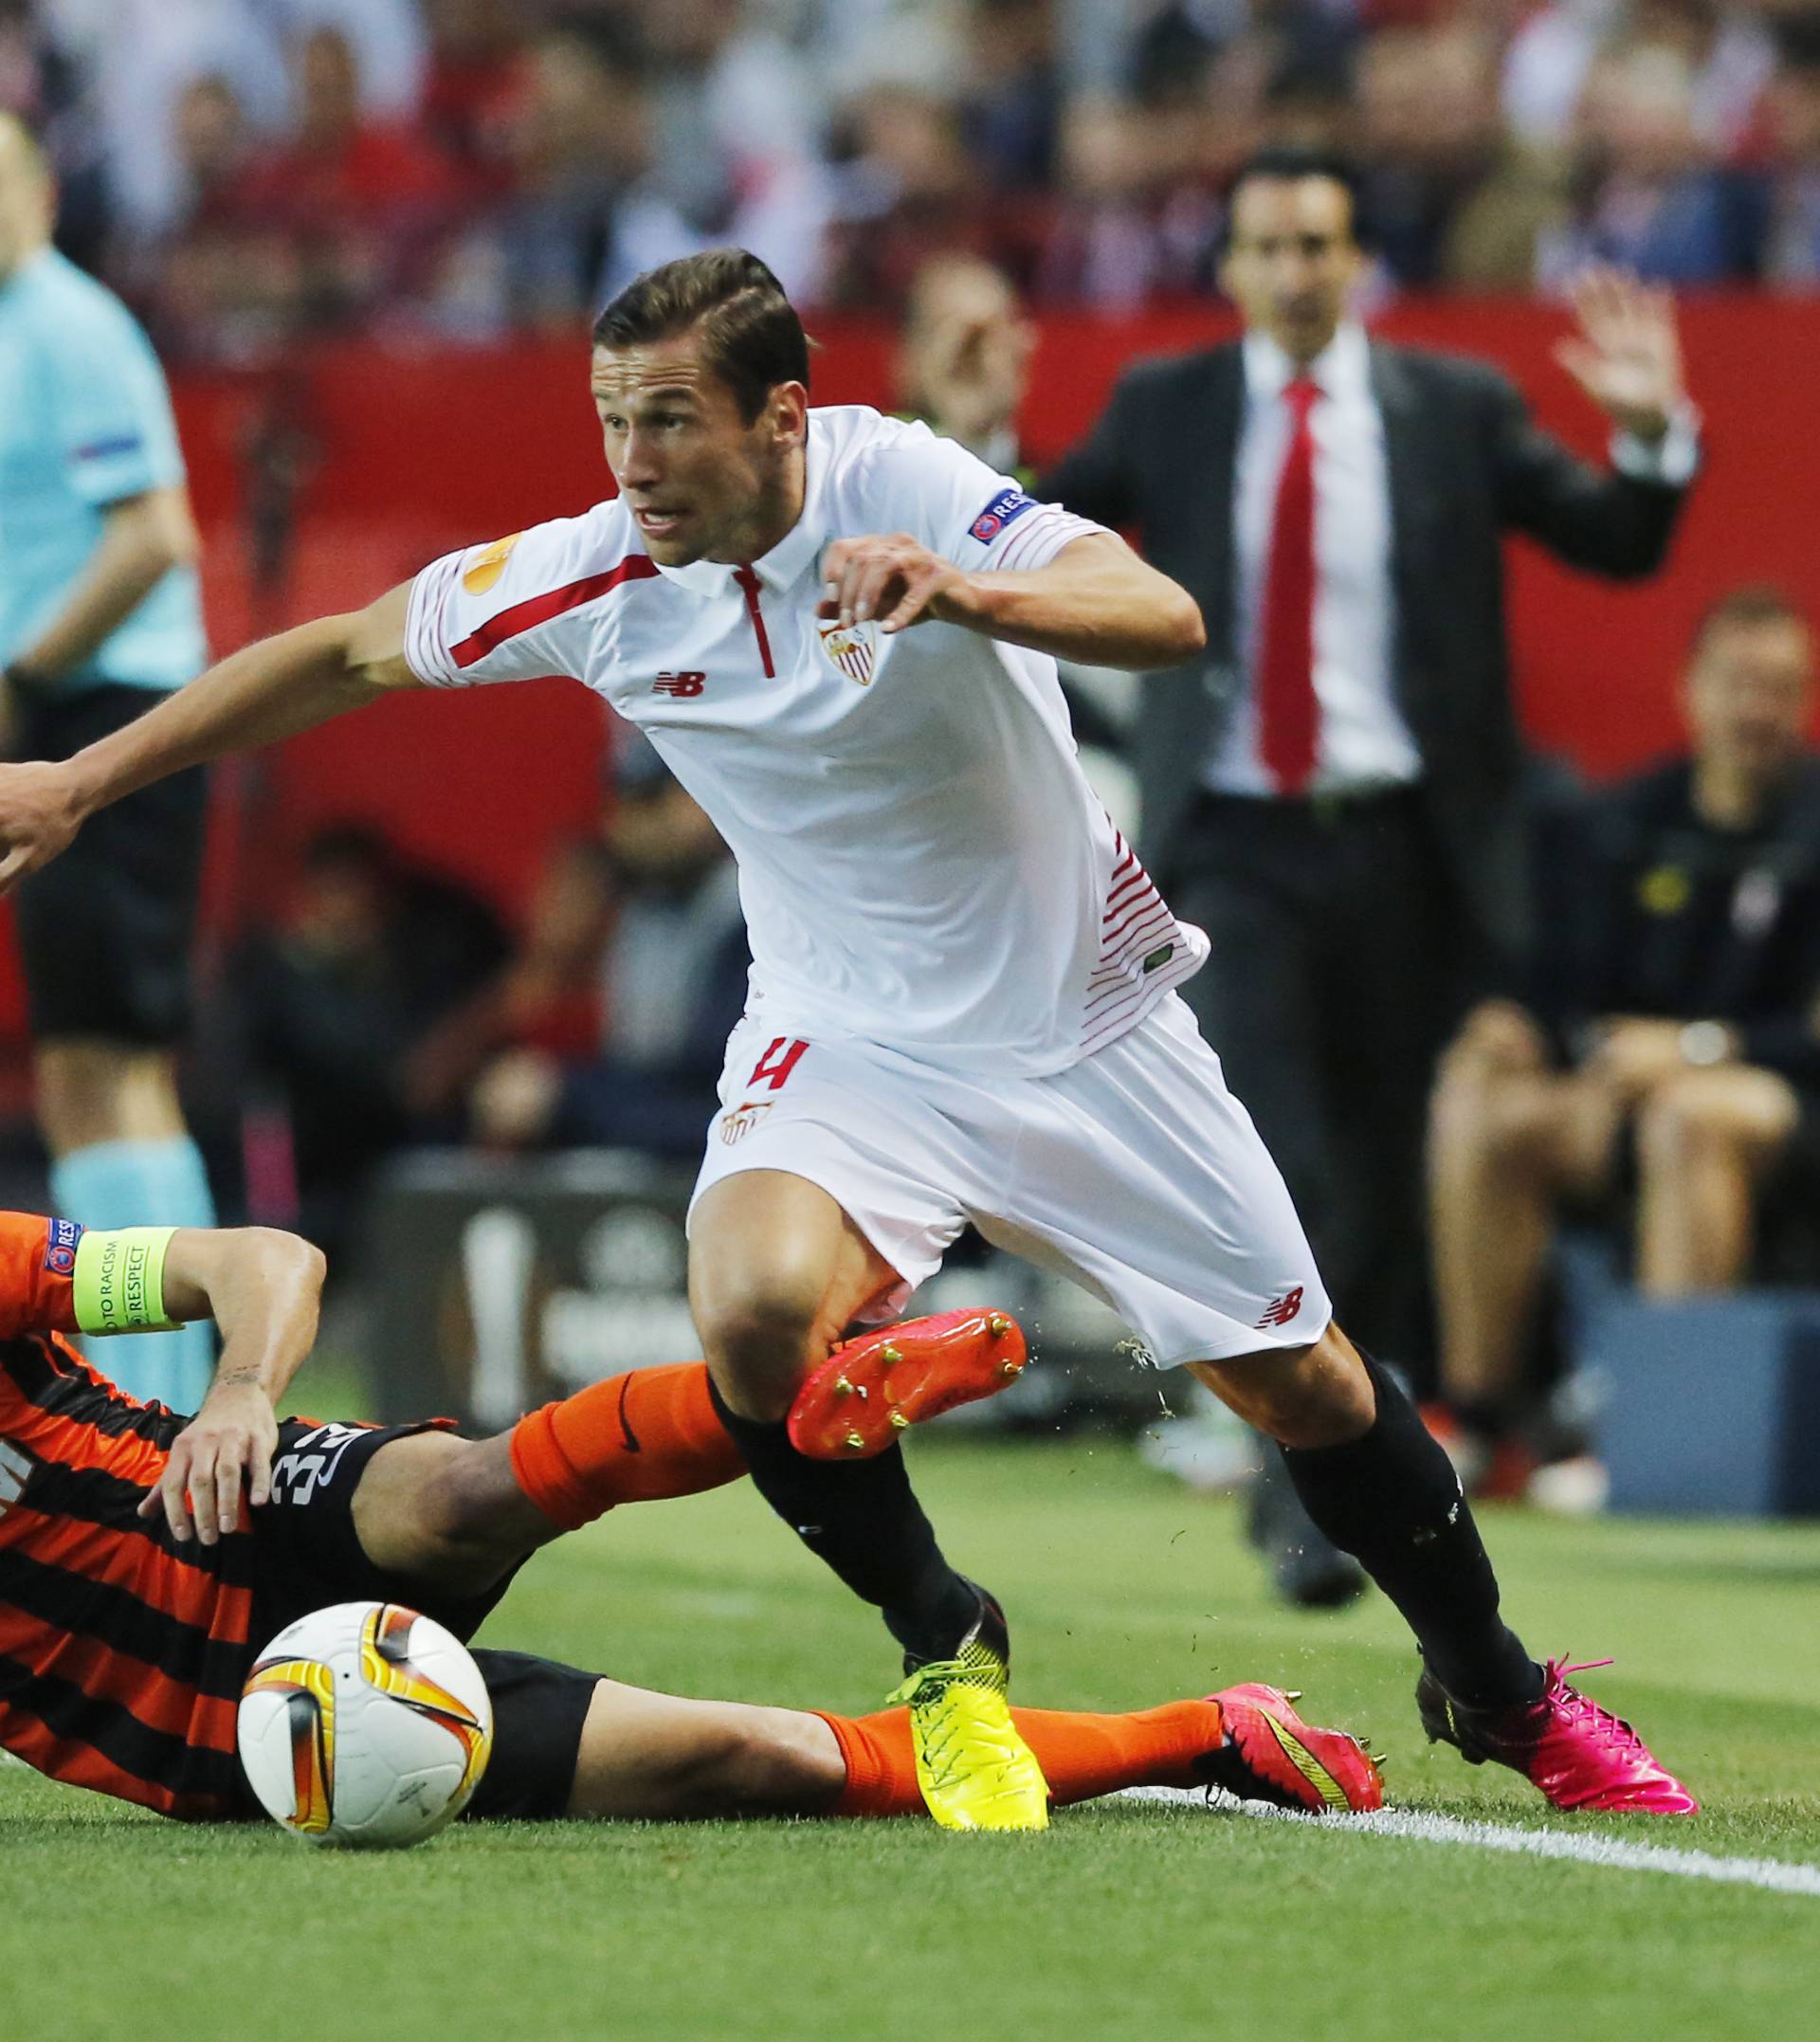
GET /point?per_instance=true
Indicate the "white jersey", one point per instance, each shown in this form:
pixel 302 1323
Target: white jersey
pixel 922 863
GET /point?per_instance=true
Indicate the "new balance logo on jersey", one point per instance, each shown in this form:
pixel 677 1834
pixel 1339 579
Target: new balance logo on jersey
pixel 1280 1311
pixel 680 687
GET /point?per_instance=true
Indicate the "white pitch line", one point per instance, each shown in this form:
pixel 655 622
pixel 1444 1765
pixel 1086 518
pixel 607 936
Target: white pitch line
pixel 1773 1875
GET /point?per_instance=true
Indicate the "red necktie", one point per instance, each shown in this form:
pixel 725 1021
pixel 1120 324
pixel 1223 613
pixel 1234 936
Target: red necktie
pixel 1289 715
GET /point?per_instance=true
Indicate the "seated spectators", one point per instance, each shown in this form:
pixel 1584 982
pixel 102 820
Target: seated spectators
pixel 1649 193
pixel 471 71
pixel 577 138
pixel 905 190
pixel 1451 199
pixel 365 202
pixel 642 933
pixel 338 1007
pixel 1551 57
pixel 1670 1049
pixel 1792 251
pixel 217 285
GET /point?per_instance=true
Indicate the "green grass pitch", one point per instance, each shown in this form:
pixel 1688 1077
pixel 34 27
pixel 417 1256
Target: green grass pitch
pixel 1123 1920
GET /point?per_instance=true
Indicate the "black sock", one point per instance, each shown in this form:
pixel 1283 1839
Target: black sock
pixel 1393 1500
pixel 863 1518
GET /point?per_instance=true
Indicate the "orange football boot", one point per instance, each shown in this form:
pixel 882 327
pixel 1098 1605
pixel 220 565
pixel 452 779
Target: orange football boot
pixel 876 1386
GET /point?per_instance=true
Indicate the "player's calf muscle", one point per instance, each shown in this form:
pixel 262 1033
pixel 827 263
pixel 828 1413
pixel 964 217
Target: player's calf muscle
pixel 657 1757
pixel 1317 1396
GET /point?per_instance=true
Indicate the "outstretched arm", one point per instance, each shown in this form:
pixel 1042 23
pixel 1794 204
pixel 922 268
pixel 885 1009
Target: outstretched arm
pixel 1626 358
pixel 255 697
pixel 262 1288
pixel 1096 602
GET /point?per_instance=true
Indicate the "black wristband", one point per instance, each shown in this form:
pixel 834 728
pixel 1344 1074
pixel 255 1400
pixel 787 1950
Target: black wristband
pixel 17 674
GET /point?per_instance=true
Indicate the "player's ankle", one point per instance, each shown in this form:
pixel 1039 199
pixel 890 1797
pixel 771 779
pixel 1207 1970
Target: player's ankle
pixel 934 1624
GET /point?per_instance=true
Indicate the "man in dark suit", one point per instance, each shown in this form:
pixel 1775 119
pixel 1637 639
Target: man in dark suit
pixel 1332 790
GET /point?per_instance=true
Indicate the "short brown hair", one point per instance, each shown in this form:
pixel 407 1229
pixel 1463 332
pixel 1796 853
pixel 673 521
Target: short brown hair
pixel 1755 602
pixel 754 339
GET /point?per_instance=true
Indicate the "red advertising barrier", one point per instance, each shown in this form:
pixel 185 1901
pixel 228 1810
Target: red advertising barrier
pixel 395 456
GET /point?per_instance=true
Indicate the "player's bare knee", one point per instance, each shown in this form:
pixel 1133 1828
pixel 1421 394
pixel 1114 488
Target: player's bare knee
pixel 765 1761
pixel 480 1519
pixel 445 1510
pixel 758 1340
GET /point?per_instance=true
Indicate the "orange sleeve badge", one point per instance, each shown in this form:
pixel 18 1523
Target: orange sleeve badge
pixel 37 1266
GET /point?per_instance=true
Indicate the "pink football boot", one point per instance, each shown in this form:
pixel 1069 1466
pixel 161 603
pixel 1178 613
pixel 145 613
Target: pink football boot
pixel 1271 1755
pixel 1579 1755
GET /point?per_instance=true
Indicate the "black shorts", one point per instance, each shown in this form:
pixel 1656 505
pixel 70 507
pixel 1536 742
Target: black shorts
pixel 105 930
pixel 309 1555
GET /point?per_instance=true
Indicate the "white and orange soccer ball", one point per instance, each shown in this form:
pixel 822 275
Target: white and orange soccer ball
pixel 365 1725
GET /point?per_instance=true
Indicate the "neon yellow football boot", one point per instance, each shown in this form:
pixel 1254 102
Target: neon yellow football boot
pixel 975 1769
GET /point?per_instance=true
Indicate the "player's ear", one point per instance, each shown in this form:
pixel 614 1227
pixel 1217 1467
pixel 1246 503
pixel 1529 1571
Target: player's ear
pixel 786 409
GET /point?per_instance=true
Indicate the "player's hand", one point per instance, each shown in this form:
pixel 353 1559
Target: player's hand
pixel 230 1441
pixel 894 579
pixel 1627 354
pixel 40 812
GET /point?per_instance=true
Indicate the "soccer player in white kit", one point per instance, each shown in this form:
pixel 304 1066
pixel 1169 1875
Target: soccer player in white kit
pixel 840 632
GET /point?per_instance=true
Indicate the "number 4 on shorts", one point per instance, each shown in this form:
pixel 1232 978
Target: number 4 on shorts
pixel 778 1063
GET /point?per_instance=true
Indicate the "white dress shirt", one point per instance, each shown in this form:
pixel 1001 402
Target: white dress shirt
pixel 1364 741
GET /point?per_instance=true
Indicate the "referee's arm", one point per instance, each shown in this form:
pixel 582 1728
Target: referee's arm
pixel 143 537
pixel 255 697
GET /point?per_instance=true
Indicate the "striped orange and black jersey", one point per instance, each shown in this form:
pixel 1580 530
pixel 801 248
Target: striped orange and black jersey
pixel 122 1653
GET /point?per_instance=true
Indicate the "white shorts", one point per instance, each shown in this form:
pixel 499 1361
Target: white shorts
pixel 1134 1172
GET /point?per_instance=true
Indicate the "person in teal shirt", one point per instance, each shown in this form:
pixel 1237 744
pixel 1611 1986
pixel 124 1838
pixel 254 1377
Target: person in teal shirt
pixel 100 617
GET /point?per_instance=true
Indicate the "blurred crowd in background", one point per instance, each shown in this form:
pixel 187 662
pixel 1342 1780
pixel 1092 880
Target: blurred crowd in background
pixel 252 175
pixel 249 171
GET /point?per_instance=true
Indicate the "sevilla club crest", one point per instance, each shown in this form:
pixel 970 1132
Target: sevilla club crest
pixel 853 649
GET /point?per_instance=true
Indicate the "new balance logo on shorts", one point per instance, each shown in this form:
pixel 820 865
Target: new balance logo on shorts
pixel 680 687
pixel 1280 1311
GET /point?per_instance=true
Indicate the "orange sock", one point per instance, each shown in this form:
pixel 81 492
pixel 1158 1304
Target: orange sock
pixel 1081 1755
pixel 631 1439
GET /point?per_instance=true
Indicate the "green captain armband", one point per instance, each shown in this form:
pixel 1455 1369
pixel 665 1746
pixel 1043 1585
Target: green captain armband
pixel 118 1281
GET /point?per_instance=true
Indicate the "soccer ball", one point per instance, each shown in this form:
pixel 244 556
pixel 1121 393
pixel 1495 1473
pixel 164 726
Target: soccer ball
pixel 365 1725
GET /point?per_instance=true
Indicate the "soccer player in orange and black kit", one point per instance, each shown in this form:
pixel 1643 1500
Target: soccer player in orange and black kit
pixel 137 1585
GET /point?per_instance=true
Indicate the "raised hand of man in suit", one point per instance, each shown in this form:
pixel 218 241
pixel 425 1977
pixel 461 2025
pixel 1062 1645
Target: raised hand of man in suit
pixel 1627 354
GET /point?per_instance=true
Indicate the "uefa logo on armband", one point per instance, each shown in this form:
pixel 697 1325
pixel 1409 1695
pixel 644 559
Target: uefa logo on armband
pixel 60 1249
